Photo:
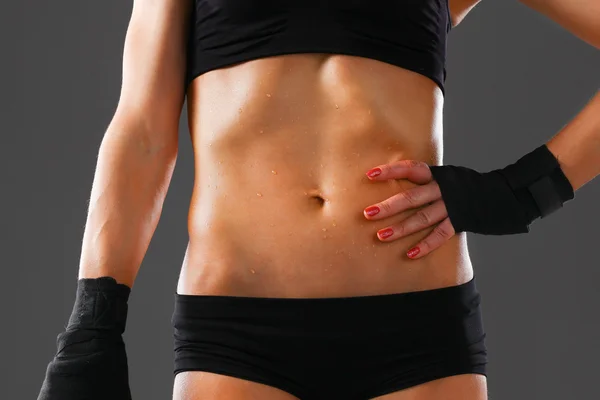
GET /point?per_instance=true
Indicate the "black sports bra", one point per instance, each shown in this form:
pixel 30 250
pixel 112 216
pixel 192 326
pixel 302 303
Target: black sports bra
pixel 408 33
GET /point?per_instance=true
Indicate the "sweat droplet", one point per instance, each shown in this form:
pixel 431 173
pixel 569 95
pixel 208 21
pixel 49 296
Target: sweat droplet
pixel 268 95
pixel 274 172
pixel 259 194
pixel 336 106
pixel 324 229
pixel 253 271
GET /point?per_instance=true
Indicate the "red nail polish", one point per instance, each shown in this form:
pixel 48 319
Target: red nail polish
pixel 387 232
pixel 374 172
pixel 413 252
pixel 372 210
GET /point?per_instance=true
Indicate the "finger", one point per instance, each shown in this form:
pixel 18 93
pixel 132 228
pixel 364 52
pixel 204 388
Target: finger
pixel 411 198
pixel 424 218
pixel 413 170
pixel 440 235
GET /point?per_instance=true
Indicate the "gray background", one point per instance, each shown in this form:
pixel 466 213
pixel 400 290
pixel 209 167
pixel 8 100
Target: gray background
pixel 514 79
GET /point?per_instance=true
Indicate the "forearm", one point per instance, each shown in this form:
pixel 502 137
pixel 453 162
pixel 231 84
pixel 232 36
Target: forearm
pixel 577 145
pixel 130 184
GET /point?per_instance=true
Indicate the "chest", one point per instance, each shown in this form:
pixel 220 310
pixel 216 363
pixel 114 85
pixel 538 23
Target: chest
pixel 356 12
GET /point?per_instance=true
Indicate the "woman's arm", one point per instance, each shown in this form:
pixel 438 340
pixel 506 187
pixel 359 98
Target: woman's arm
pixel 580 17
pixel 459 10
pixel 134 168
pixel 139 149
pixel 577 144
pixel 507 200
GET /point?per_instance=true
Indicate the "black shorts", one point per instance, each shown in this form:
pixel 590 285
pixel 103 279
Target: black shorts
pixel 351 348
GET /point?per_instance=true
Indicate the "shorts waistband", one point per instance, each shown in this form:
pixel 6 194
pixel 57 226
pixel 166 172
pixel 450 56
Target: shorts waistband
pixel 433 303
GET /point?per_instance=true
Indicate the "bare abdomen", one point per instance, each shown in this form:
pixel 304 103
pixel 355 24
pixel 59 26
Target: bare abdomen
pixel 282 146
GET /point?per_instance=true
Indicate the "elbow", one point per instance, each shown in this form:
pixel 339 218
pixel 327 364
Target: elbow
pixel 157 145
pixel 140 145
pixel 146 138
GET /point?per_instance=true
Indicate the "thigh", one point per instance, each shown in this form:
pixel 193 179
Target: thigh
pixel 458 387
pixel 201 385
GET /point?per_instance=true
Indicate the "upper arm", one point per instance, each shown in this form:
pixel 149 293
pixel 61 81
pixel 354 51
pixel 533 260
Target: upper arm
pixel 154 65
pixel 580 17
pixel 459 9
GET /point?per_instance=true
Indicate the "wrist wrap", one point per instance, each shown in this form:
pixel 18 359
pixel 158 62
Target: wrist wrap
pixel 503 201
pixel 91 362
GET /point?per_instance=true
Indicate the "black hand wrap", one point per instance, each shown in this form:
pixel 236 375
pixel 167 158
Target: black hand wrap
pixel 504 201
pixel 91 363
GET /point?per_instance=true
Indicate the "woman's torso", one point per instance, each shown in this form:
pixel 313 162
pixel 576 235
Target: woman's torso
pixel 269 137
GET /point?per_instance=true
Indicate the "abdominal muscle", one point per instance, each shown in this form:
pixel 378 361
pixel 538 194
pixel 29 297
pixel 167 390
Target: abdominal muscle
pixel 281 146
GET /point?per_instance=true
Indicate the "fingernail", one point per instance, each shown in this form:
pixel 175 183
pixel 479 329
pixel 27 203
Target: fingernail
pixel 374 172
pixel 387 232
pixel 413 252
pixel 372 210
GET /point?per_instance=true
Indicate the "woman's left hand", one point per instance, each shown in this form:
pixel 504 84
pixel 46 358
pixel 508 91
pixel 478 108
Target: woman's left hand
pixel 428 192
